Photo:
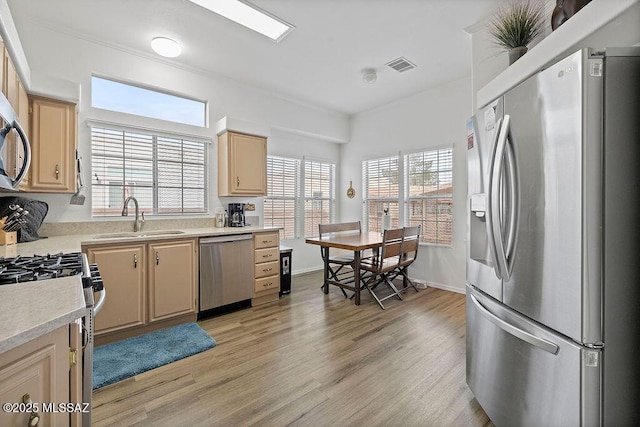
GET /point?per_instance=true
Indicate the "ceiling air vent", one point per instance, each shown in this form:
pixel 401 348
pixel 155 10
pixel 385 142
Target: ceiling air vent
pixel 401 64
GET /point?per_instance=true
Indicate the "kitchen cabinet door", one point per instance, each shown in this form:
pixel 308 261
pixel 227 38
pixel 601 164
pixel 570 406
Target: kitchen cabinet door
pixel 123 272
pixel 38 370
pixel 10 85
pixel 10 81
pixel 172 278
pixel 23 115
pixel 242 165
pixel 2 50
pixel 53 145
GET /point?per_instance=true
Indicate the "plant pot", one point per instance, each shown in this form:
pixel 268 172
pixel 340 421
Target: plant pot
pixel 515 53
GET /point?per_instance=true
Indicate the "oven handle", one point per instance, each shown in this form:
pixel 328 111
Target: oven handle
pixel 100 303
pixel 85 337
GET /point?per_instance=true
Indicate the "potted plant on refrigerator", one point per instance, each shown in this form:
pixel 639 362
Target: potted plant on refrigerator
pixel 515 25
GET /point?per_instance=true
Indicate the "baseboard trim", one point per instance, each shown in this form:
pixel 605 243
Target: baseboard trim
pixel 306 270
pixel 446 287
pixel 431 284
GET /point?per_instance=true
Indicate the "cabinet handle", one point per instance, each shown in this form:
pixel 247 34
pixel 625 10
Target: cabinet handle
pixel 135 260
pixel 157 258
pixel 267 269
pixel 237 181
pixel 266 285
pixel 34 418
pixel 57 172
pixel 267 256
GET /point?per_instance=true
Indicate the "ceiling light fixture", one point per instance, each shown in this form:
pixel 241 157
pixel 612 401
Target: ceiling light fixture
pixel 166 47
pixel 250 16
pixel 369 75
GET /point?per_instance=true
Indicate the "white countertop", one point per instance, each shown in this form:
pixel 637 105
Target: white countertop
pixel 29 310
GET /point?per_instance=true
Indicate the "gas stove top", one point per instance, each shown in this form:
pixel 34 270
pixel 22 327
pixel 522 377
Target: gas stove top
pixel 42 267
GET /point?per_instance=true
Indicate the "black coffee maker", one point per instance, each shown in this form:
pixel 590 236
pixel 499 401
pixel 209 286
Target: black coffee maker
pixel 236 215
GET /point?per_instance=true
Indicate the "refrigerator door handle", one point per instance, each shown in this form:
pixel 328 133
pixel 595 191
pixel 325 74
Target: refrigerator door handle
pixel 491 194
pixel 495 178
pixel 525 336
pixel 514 201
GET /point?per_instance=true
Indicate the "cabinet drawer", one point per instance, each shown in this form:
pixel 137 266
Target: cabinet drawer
pixel 266 269
pixel 266 240
pixel 266 255
pixel 266 283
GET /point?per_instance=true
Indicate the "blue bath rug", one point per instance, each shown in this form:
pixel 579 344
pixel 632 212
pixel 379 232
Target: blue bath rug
pixel 123 359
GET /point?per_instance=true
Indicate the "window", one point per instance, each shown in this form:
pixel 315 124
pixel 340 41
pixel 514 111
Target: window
pixel 429 194
pixel 319 195
pixel 425 185
pixel 285 195
pixel 280 204
pixel 381 181
pixel 165 173
pixel 125 98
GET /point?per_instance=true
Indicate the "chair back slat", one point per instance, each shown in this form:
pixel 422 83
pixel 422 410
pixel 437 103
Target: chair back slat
pixel 391 244
pixel 342 227
pixel 338 228
pixel 410 244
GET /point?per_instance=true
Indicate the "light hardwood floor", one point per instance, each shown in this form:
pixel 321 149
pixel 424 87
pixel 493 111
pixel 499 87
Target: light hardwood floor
pixel 312 360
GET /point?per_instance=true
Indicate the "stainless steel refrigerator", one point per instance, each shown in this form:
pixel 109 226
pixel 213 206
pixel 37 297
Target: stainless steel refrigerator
pixel 553 246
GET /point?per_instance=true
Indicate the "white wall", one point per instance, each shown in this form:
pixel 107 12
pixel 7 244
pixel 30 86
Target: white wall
pixel 55 57
pixel 430 119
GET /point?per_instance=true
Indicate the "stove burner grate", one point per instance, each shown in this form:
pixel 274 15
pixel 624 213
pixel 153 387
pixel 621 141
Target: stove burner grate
pixel 39 267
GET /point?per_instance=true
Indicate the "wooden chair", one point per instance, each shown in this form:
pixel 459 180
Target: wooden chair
pixel 385 267
pixel 339 266
pixel 410 244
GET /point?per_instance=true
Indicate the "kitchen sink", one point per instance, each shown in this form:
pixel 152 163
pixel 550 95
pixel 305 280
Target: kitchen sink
pixel 138 234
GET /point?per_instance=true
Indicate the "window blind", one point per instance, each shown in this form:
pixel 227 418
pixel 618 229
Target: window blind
pixel 280 204
pixel 381 181
pixel 166 174
pixel 429 190
pixel 319 195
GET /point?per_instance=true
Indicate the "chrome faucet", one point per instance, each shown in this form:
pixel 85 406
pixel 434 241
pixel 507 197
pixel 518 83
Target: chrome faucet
pixel 138 223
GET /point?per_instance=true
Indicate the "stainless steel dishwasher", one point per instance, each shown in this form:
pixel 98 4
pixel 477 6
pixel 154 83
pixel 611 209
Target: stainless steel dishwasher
pixel 226 270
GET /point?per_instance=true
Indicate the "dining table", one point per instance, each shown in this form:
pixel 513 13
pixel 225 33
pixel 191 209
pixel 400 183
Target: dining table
pixel 356 242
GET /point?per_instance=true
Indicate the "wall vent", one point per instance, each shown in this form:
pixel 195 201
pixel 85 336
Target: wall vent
pixel 401 64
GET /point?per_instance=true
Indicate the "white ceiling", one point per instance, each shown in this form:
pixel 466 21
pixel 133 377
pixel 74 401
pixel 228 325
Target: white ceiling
pixel 319 63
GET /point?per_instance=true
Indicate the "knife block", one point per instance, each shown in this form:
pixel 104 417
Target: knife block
pixel 7 237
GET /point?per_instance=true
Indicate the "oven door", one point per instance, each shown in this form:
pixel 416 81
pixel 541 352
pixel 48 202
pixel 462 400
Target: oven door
pixel 15 152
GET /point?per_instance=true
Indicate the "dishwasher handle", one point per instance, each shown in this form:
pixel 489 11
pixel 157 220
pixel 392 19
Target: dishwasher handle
pixel 225 239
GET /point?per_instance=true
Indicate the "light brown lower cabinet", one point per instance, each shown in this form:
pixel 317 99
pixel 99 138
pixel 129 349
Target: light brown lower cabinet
pixel 148 286
pixel 173 276
pixel 42 372
pixel 266 268
pixel 123 272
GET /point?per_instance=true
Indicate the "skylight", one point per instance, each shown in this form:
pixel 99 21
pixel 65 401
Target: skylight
pixel 250 16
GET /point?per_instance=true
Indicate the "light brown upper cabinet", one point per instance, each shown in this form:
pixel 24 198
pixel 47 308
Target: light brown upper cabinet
pixel 10 80
pixel 14 91
pixel 23 115
pixel 54 127
pixel 242 165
